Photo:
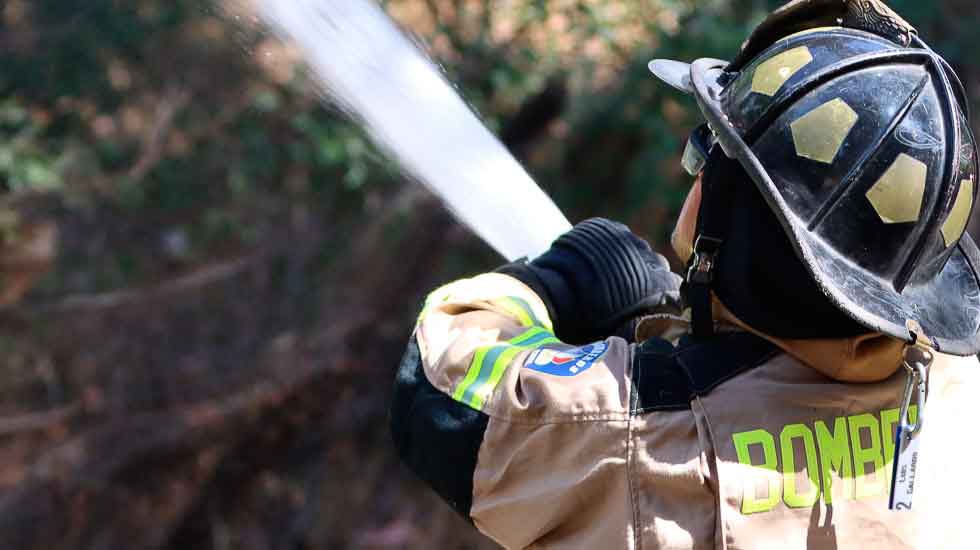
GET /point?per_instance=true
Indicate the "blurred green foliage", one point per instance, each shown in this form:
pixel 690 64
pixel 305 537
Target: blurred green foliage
pixel 224 232
pixel 188 118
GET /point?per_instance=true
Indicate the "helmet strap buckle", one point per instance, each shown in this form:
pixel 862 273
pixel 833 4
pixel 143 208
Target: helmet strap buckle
pixel 701 270
pixel 918 359
pixel 700 275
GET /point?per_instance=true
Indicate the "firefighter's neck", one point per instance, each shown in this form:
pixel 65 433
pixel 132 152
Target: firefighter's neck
pixel 867 358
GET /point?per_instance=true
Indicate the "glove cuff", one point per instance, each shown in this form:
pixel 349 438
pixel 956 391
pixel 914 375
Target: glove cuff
pixel 535 280
pixel 595 279
pixel 610 249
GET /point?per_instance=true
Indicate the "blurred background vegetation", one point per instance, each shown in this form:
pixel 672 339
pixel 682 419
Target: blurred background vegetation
pixel 207 276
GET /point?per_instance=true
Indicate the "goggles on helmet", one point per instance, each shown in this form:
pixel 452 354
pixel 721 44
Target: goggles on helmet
pixel 698 150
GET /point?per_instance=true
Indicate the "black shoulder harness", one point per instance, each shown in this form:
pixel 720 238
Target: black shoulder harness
pixel 668 378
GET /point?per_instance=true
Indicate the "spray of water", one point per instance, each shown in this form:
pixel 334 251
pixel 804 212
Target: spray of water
pixel 369 67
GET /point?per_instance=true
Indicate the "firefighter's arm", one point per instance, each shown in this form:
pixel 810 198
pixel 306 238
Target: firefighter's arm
pixel 518 431
pixel 510 426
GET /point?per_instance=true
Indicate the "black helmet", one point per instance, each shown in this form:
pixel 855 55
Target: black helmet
pixel 859 140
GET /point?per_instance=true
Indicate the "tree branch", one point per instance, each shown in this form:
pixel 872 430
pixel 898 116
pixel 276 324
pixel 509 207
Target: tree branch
pixel 13 425
pixel 174 100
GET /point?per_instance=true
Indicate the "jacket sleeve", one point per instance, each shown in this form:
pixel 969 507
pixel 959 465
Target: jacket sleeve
pixel 522 434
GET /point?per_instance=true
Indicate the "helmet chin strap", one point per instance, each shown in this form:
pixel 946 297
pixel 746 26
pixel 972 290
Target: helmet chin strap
pixel 714 216
pixel 714 220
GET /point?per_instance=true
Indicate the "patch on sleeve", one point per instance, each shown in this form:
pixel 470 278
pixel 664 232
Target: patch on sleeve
pixel 566 363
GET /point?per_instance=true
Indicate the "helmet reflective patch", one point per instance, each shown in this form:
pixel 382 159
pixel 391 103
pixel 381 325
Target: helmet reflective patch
pixel 897 197
pixel 956 222
pixel 819 134
pixel 773 73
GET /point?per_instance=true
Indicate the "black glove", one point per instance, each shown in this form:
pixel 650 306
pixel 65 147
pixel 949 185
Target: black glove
pixel 596 279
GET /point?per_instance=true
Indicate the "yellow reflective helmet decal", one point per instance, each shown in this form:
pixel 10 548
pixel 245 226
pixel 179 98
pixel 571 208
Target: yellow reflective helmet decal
pixel 897 197
pixel 773 73
pixel 955 224
pixel 820 134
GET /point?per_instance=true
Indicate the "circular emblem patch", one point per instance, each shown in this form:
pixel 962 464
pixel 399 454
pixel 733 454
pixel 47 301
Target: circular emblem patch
pixel 567 362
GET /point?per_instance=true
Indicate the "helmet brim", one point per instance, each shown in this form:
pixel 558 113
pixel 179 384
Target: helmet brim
pixel 945 310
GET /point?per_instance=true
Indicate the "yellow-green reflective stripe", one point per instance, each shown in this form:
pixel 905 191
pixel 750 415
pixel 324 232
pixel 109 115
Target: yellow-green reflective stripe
pixel 528 335
pixel 530 339
pixel 540 339
pixel 488 360
pixel 498 361
pixel 500 367
pixel 515 309
pixel 521 308
pixel 546 322
pixel 518 307
pixel 472 373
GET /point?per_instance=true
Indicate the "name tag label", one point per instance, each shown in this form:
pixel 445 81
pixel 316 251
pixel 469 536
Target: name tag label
pixel 904 469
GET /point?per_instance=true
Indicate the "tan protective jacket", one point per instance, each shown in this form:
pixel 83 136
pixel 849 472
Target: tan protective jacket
pixel 588 448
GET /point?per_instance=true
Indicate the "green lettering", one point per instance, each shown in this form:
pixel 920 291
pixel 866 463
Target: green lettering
pixel 743 440
pixel 835 454
pixel 867 483
pixel 791 496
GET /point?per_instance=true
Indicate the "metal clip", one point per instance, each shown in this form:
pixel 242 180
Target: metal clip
pixel 703 260
pixel 918 359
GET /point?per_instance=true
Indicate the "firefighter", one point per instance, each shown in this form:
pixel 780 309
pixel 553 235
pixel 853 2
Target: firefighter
pixel 809 378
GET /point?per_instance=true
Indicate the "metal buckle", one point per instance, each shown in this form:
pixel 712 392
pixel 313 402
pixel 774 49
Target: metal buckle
pixel 702 266
pixel 917 369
